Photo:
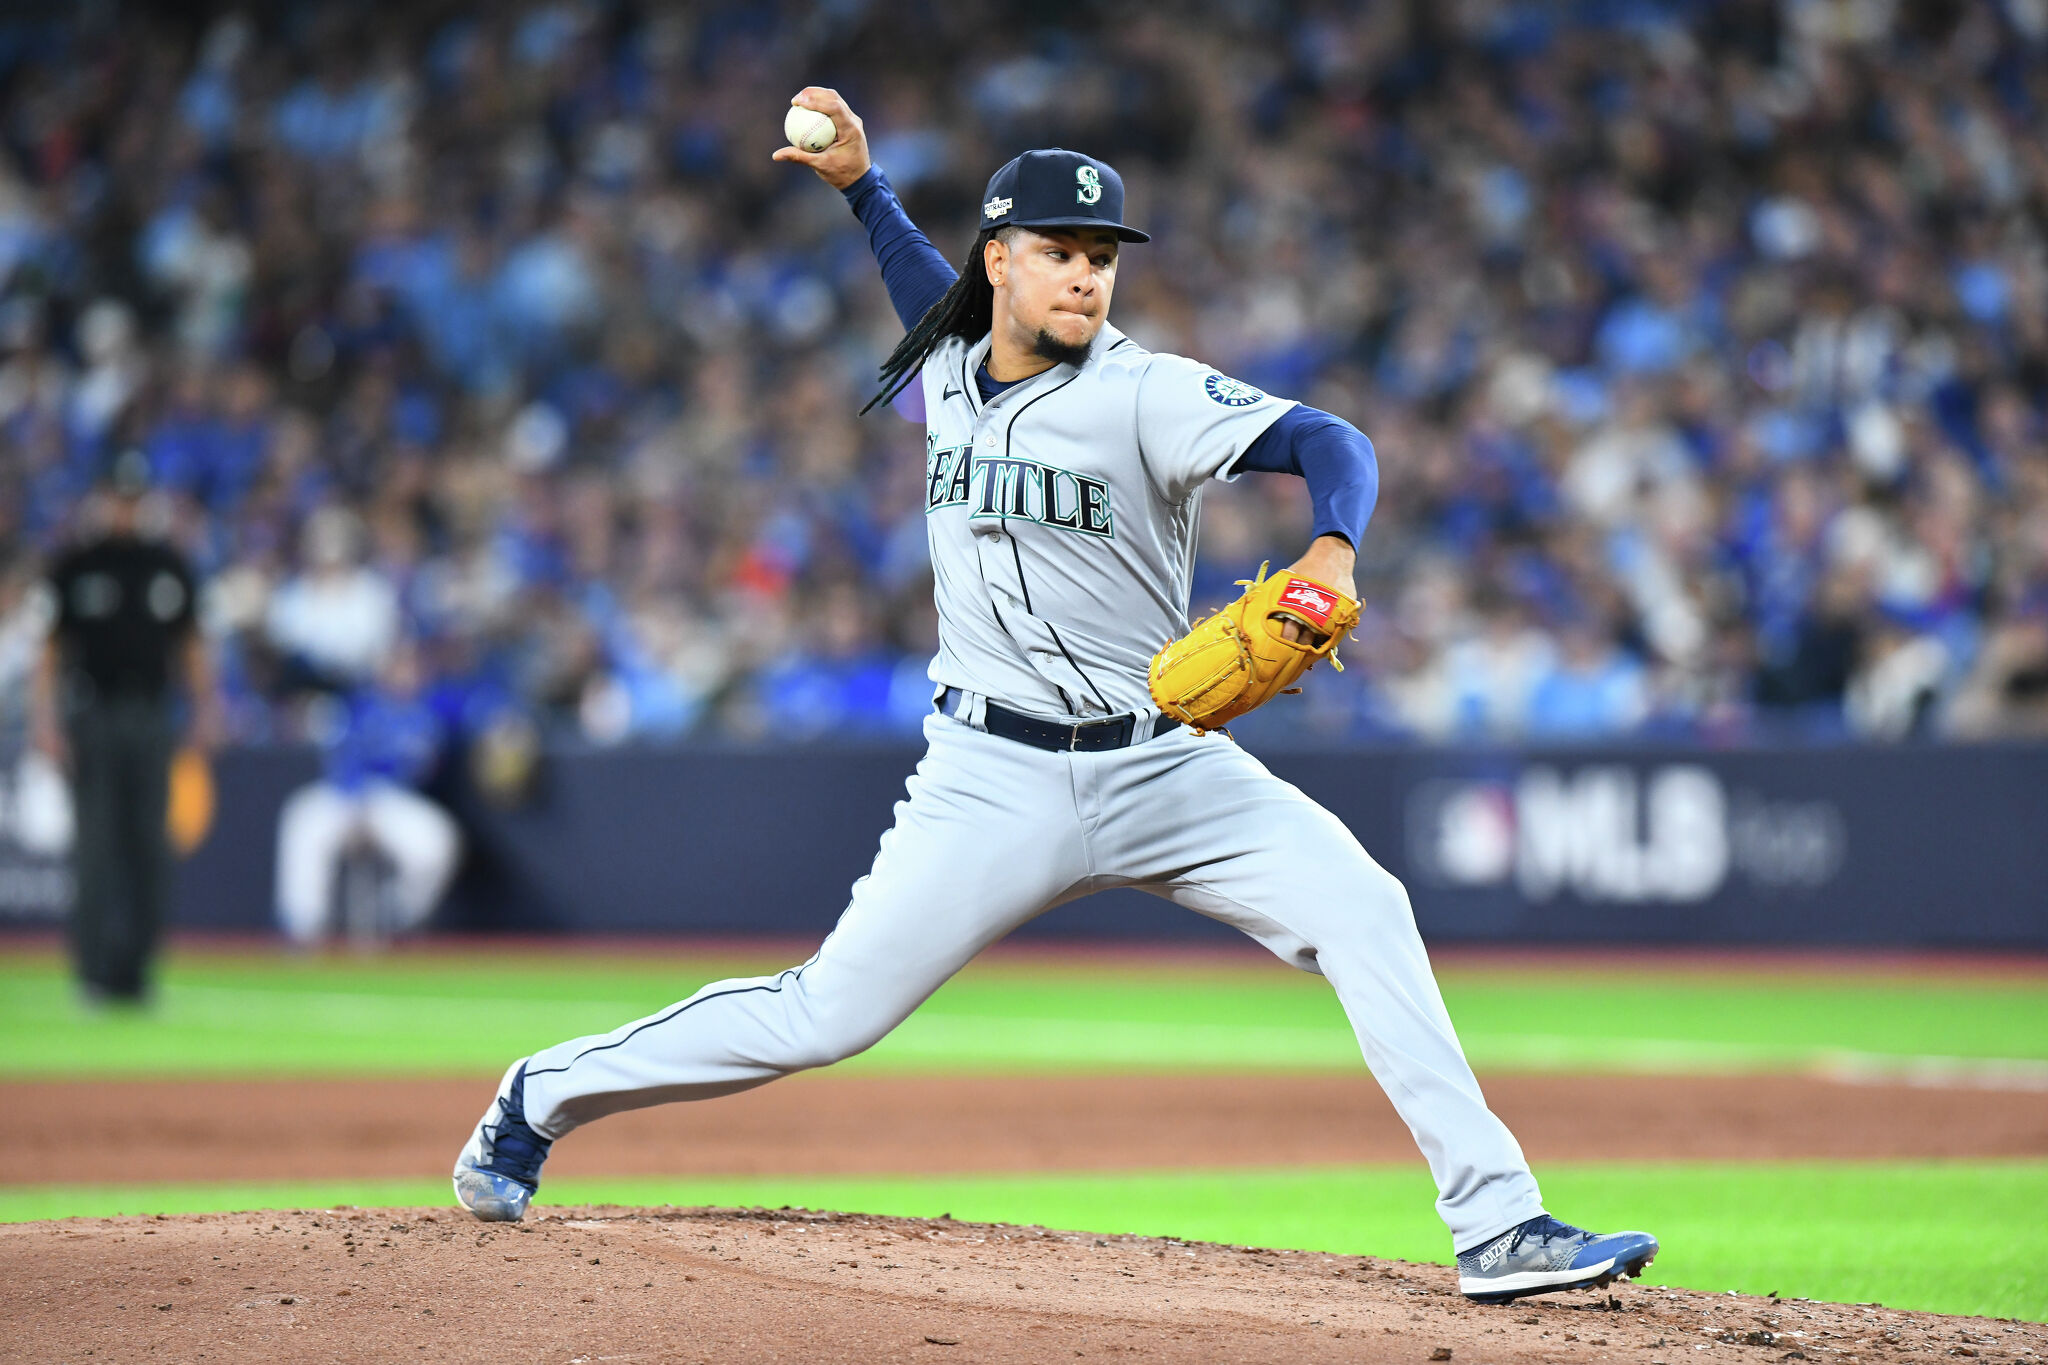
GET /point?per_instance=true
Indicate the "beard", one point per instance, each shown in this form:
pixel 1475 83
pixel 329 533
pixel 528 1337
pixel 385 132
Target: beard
pixel 1050 347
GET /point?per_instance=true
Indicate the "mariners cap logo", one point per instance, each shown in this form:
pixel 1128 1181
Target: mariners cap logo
pixel 1232 393
pixel 1090 181
pixel 996 208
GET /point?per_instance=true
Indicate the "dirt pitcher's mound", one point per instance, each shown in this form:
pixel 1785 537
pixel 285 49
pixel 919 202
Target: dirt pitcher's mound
pixel 590 1285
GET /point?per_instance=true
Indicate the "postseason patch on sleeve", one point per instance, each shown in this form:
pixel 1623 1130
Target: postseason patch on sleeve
pixel 1232 393
pixel 1310 600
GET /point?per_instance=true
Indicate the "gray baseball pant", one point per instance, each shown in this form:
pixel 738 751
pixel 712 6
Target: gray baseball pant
pixel 996 832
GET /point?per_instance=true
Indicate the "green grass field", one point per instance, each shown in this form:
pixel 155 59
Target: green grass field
pixel 1954 1236
pixel 254 1014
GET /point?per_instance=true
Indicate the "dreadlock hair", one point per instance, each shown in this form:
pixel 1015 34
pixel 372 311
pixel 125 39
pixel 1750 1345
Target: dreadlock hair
pixel 965 310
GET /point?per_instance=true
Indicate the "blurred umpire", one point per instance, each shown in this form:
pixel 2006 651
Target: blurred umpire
pixel 124 633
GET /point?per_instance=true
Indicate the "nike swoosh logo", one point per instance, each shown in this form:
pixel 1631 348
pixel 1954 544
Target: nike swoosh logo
pixel 951 393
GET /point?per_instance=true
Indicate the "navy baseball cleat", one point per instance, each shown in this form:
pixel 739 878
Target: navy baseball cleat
pixel 499 1169
pixel 1543 1254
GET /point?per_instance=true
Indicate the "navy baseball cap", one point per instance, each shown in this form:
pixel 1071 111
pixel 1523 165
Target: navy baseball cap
pixel 1053 187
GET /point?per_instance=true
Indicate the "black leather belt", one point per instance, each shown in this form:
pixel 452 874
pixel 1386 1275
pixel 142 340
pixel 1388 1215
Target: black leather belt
pixel 1086 737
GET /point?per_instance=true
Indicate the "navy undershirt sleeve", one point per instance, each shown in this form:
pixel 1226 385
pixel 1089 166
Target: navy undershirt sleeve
pixel 1333 457
pixel 916 274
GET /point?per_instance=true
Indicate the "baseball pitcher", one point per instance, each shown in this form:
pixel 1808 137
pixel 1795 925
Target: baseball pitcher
pixel 1076 740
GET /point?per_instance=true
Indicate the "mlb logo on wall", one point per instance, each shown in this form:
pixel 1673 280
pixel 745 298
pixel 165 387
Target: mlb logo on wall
pixel 1617 833
pixel 1232 393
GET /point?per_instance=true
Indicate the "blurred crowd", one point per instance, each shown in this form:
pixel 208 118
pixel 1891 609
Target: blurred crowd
pixel 1705 346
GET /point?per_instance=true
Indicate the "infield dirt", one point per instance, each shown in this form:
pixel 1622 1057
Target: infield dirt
pixel 832 1124
pixel 587 1285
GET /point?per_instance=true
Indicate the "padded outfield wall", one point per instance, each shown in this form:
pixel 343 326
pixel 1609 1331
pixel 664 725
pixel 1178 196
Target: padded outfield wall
pixel 1933 846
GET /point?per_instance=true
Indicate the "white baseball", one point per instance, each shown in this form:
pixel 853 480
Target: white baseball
pixel 808 129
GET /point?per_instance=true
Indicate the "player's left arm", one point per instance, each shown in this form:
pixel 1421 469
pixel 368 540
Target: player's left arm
pixel 1194 424
pixel 1337 462
pixel 1257 647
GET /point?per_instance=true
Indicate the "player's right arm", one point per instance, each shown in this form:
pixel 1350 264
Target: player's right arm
pixel 912 268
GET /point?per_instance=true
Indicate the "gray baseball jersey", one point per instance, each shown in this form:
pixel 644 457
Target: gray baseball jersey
pixel 1062 516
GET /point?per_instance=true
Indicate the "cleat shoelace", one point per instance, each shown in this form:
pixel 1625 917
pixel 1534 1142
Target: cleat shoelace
pixel 516 1150
pixel 1543 1229
pixel 1548 1229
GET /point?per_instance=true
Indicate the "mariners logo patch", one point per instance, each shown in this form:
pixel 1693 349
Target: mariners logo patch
pixel 1090 181
pixel 1310 600
pixel 1232 393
